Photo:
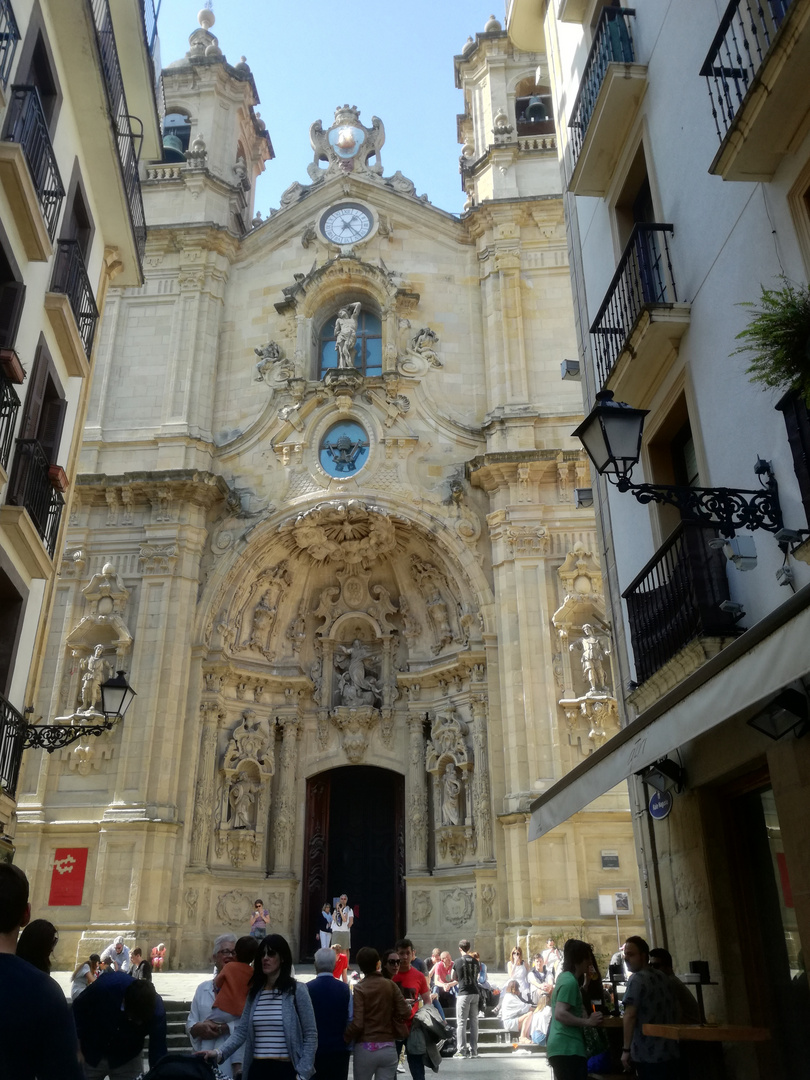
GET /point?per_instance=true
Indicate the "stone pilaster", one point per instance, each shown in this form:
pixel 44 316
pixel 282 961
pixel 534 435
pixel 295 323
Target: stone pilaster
pixel 482 796
pixel 205 790
pixel 417 826
pixel 284 830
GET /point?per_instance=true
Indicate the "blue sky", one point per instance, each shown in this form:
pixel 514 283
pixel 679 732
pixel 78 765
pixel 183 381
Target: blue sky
pixel 392 60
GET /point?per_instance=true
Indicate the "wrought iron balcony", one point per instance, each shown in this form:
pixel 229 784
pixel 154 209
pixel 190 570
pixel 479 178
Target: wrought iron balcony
pixel 643 278
pixel 30 487
pixel 743 38
pixel 120 118
pixel 25 124
pixel 9 37
pixel 676 598
pixel 70 277
pixel 9 404
pixel 612 43
pixel 12 739
pixel 756 73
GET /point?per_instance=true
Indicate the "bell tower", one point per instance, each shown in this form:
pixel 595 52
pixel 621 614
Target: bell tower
pixel 214 142
pixel 507 133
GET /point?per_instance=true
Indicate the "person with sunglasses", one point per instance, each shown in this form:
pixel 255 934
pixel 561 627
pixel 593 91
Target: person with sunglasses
pixel 277 1029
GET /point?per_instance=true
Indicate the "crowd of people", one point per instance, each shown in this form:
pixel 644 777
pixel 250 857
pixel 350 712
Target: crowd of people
pixel 254 1019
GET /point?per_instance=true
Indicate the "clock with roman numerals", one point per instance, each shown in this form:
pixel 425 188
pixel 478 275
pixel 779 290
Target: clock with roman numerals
pixel 347 223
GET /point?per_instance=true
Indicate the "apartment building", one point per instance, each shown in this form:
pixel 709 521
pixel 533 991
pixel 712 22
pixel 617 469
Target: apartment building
pixel 685 155
pixel 79 109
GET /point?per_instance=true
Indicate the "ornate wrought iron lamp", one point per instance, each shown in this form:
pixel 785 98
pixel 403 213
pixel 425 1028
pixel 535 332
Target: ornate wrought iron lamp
pixel 116 697
pixel 611 435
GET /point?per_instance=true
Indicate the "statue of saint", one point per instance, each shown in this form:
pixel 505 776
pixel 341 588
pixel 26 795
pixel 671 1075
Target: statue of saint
pixel 94 667
pixel 593 657
pixel 356 686
pixel 346 335
pixel 451 796
pixel 241 799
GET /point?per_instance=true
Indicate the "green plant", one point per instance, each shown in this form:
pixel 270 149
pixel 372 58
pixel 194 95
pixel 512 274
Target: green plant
pixel 778 335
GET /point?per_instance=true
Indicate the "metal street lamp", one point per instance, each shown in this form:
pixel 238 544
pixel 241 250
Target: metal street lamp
pixel 611 435
pixel 116 697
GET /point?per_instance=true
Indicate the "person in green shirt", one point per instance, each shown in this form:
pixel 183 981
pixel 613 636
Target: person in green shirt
pixel 566 1045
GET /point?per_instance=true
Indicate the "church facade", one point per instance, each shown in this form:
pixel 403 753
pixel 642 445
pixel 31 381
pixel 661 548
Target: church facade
pixel 332 523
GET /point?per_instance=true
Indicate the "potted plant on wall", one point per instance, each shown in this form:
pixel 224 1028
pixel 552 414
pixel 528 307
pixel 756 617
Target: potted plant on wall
pixel 778 335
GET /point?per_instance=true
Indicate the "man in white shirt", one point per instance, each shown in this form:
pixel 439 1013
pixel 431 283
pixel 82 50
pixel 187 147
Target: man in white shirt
pixel 208 1034
pixel 118 954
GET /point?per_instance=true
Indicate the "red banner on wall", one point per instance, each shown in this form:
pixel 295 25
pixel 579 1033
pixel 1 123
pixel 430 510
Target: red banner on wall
pixel 67 876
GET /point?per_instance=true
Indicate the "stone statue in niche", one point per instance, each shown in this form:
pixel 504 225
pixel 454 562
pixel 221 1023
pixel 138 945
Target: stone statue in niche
pixel 451 796
pixel 357 685
pixel 437 610
pixel 593 659
pixel 263 616
pixel 94 668
pixel 346 335
pixel 241 798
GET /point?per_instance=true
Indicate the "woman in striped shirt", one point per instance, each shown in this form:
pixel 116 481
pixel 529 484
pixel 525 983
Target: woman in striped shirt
pixel 278 1024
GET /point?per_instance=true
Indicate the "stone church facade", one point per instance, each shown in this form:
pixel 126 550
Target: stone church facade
pixel 327 521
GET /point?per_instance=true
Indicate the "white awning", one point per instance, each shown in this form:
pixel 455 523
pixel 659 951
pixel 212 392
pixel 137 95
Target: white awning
pixel 755 667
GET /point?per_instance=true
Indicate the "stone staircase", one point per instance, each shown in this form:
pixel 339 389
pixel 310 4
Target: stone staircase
pixel 176 1016
pixel 493 1040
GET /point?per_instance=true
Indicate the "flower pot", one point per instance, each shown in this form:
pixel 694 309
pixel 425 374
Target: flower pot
pixel 58 478
pixel 10 366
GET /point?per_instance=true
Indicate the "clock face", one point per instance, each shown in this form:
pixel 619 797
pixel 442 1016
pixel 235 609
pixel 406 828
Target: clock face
pixel 346 224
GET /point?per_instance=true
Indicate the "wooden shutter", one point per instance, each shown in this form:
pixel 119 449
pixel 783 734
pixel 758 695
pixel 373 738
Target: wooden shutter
pixel 12 298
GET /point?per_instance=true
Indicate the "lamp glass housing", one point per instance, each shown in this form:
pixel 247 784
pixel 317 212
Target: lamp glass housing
pixel 787 712
pixel 664 775
pixel 611 435
pixel 116 697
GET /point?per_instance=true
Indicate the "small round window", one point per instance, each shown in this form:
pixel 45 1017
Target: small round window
pixel 344 449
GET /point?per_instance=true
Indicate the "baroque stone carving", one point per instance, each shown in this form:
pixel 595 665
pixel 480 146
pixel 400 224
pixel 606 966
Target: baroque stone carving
pixel 258 616
pixel 421 354
pixel 593 658
pixel 358 682
pixel 488 896
pixel 355 725
pixel 441 605
pixel 272 367
pixel 421 906
pixel 191 897
pixel 455 842
pixel 347 533
pixel 233 908
pixel 154 559
pixel 94 671
pixel 458 906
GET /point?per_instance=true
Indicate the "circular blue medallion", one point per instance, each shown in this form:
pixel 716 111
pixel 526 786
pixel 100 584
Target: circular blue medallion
pixel 344 449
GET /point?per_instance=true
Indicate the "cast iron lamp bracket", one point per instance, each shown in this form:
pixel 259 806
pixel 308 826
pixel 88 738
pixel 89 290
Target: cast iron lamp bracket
pixel 116 697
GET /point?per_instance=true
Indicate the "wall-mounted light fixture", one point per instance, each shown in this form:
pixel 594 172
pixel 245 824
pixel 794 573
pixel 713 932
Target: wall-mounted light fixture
pixel 116 697
pixel 569 369
pixel 583 497
pixel 664 775
pixel 611 435
pixel 787 712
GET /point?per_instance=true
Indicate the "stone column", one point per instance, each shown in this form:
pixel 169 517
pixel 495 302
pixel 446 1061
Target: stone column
pixel 417 812
pixel 206 782
pixel 482 798
pixel 285 806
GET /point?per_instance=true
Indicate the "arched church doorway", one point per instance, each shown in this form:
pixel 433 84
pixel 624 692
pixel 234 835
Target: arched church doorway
pixel 355 844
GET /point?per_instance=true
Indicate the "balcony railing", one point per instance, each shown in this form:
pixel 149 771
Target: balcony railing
pixel 612 43
pixel 12 737
pixel 9 36
pixel 120 118
pixel 9 404
pixel 25 124
pixel 30 487
pixel 70 277
pixel 676 598
pixel 740 45
pixel 643 276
